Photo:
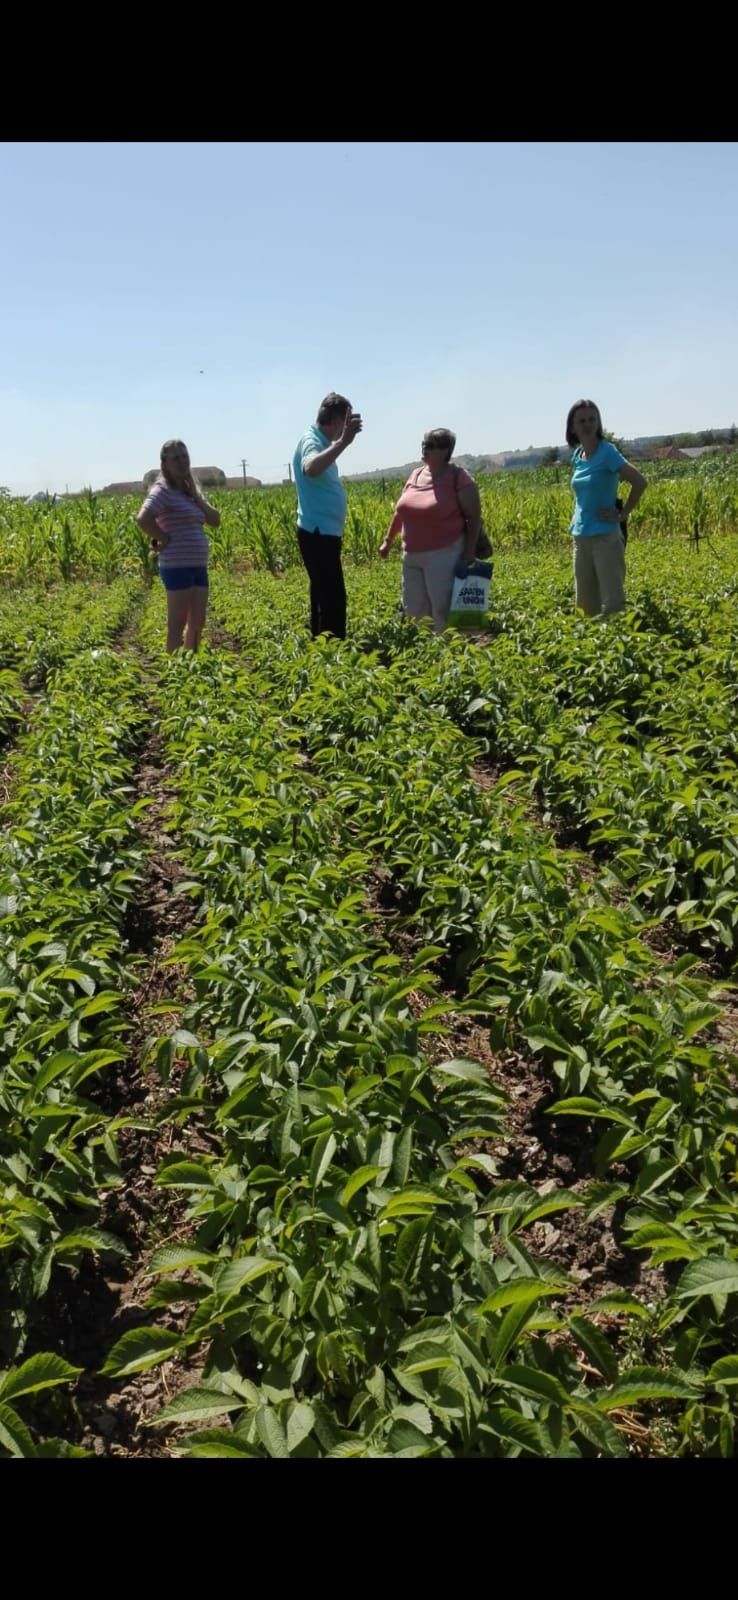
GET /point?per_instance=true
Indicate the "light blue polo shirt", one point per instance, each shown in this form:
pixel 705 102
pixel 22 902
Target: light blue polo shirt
pixel 595 484
pixel 321 502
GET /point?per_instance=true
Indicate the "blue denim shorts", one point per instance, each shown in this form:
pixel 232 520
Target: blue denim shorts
pixel 184 577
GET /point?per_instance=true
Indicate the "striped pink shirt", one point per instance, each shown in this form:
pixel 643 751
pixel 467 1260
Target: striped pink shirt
pixel 178 516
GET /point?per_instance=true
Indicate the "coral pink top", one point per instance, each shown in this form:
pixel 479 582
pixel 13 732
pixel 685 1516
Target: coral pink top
pixel 429 509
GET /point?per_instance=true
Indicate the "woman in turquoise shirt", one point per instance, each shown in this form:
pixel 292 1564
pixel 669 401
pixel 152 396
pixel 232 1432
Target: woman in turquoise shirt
pixel 599 544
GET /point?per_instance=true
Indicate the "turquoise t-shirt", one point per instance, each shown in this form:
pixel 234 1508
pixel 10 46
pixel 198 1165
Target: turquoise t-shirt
pixel 321 502
pixel 595 484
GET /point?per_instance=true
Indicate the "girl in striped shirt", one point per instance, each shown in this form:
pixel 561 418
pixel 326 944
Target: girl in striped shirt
pixel 173 515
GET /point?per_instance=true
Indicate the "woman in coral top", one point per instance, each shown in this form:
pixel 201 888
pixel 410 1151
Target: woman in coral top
pixel 440 515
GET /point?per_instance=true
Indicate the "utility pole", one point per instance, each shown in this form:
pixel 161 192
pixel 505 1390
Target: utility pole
pixel 289 471
pixel 244 464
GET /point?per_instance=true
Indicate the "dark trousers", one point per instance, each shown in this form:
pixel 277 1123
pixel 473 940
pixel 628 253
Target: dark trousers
pixel 321 554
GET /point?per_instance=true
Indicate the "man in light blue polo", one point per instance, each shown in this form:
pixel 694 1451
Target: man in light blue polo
pixel 321 510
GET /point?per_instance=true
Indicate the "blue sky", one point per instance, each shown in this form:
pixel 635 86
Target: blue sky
pixel 216 291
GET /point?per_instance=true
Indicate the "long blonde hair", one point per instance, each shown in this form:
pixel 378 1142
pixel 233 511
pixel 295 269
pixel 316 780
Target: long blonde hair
pixel 191 486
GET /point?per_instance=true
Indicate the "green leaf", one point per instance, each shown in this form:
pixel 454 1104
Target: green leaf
pixel 91 1239
pixel 60 1450
pixel 598 1196
pixel 139 1349
pixel 176 1257
pixel 39 1372
pixel 326 1427
pixel 300 1424
pixel 417 1414
pixel 466 1071
pixel 358 1179
pixel 323 1153
pixel 427 1357
pixel 402 1155
pixel 601 1433
pixel 104 1001
pixel 233 1277
pixel 406 1440
pixel 594 1344
pixel 529 1380
pixel 581 1106
pixel 653 1175
pixel 709 1275
pixel 184 1175
pixel 271 1432
pixel 411 1201
pixel 509 1424
pixel 547 1206
pixel 724 1371
pixel 216 1444
pixel 377 1387
pixel 53 1068
pixel 646 1383
pixel 517 1290
pixel 408 1250
pixel 93 1061
pixel 14 1435
pixel 620 1304
pixel 194 1405
pixel 512 1326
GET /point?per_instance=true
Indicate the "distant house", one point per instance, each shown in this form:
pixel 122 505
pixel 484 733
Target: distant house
pixel 209 477
pixel 238 483
pixel 682 452
pixel 123 488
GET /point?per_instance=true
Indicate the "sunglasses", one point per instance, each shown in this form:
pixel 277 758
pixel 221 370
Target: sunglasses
pixel 428 444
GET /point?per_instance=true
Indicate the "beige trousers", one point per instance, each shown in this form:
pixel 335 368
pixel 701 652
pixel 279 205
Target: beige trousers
pixel 599 573
pixel 428 580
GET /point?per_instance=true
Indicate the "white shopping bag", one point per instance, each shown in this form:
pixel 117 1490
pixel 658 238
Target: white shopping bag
pixel 469 601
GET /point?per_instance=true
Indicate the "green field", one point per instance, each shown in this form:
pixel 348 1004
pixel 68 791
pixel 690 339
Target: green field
pixel 368 1082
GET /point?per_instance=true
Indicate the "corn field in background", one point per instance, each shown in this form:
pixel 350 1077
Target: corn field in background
pixel 96 536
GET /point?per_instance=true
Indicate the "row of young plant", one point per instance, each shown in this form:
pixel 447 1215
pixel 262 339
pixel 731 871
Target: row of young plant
pixel 11 705
pixel 338 1219
pixel 681 629
pixel 627 733
pixel 357 1289
pixel 393 739
pixel 70 859
pixel 670 591
pixel 41 629
pixel 631 738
